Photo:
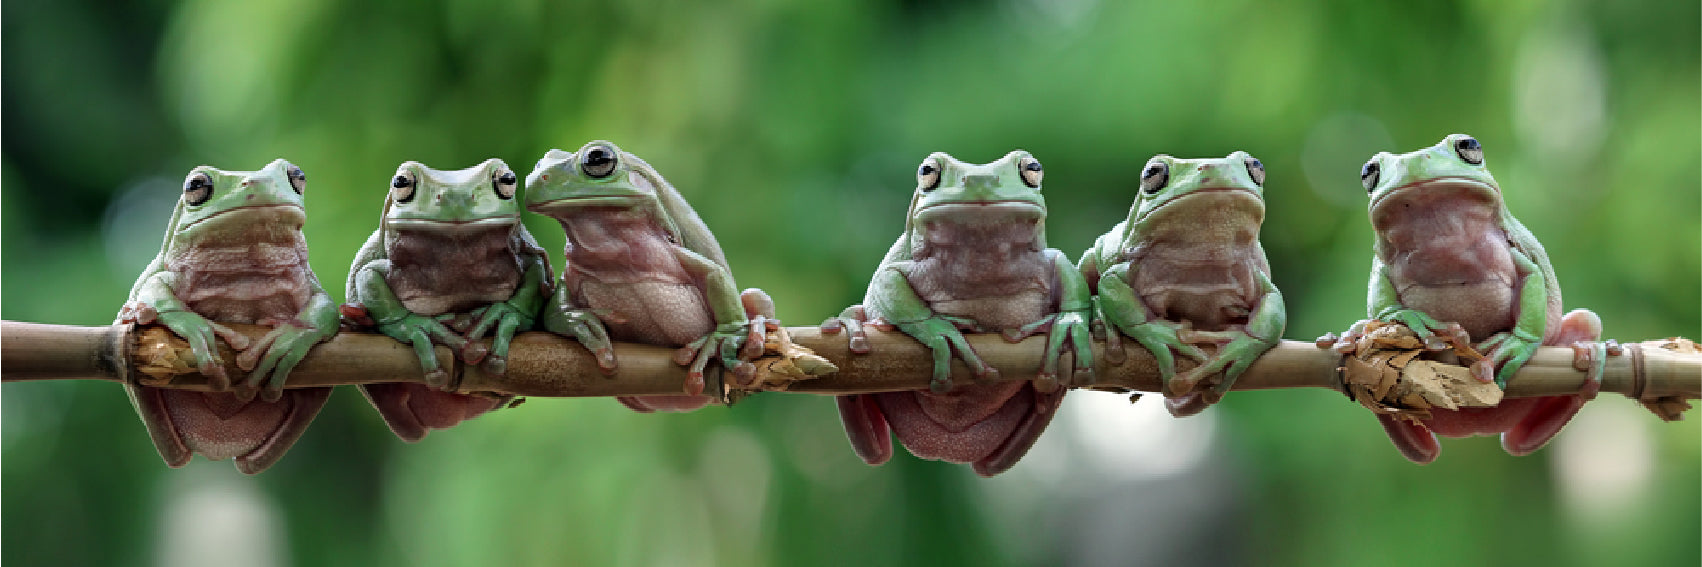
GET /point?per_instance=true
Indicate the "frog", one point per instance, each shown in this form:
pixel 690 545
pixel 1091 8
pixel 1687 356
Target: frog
pixel 234 252
pixel 1186 268
pixel 972 257
pixel 642 266
pixel 1453 264
pixel 449 263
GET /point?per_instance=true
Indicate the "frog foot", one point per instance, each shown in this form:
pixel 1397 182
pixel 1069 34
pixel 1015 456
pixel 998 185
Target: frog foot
pixel 1435 334
pixel 586 326
pixel 1237 351
pixel 1507 352
pixel 1161 338
pixel 505 319
pixel 276 354
pixel 726 342
pixel 1591 358
pixel 1067 334
pixel 419 331
pixel 943 335
pixel 852 319
pixel 202 336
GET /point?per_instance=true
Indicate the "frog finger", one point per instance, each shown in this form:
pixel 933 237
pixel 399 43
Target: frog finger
pixel 273 389
pixel 434 376
pixel 1113 335
pixel 286 365
pixel 694 374
pixel 941 381
pixel 1084 375
pixel 1515 361
pixel 983 372
pixel 497 362
pixel 237 341
pixel 1049 360
pixel 249 358
pixel 754 339
pixel 442 334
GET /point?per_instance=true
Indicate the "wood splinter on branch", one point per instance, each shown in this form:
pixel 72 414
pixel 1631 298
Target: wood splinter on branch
pixel 1661 374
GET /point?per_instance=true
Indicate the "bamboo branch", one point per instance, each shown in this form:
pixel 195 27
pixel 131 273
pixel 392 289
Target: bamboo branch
pixel 543 364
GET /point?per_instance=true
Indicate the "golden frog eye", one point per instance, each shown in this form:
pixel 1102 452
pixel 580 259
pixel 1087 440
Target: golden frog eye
pixel 298 179
pixel 1031 171
pixel 402 186
pixel 1256 170
pixel 928 175
pixel 1369 174
pixel 598 162
pixel 1469 150
pixel 506 184
pixel 1155 175
pixel 197 188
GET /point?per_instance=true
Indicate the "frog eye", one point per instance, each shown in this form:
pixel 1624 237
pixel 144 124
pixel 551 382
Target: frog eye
pixel 1155 175
pixel 1369 174
pixel 505 184
pixel 928 175
pixel 402 186
pixel 1031 171
pixel 298 179
pixel 1256 170
pixel 197 188
pixel 1469 150
pixel 598 162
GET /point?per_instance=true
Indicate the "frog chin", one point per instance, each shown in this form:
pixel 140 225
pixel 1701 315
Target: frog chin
pixel 451 226
pixel 1215 201
pixel 1444 196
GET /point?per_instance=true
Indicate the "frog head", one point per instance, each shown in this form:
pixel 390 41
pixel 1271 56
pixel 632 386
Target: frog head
pixel 1215 199
pixel 479 197
pixel 218 203
pixel 600 176
pixel 1446 179
pixel 1003 192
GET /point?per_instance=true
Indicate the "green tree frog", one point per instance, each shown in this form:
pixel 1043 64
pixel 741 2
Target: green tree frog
pixel 1186 267
pixel 972 257
pixel 234 253
pixel 1450 258
pixel 641 267
pixel 449 262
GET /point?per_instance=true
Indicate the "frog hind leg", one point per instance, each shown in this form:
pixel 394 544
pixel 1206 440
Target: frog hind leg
pixel 218 425
pixel 667 403
pixel 1547 415
pixel 1027 432
pixel 1413 440
pixel 866 428
pixel 412 410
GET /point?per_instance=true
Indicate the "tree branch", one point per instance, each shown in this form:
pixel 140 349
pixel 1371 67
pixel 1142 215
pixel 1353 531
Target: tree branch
pixel 543 364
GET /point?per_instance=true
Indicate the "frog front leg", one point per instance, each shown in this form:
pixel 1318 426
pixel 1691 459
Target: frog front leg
pixel 892 297
pixel 563 317
pixel 407 327
pixel 1128 314
pixel 278 352
pixel 1069 326
pixel 734 330
pixel 1509 350
pixel 1243 347
pixel 1386 306
pixel 156 302
pixel 516 313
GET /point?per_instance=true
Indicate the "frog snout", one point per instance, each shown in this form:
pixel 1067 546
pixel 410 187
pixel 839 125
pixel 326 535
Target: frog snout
pixel 980 181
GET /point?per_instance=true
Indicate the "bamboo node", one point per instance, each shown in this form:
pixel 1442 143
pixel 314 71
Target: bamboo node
pixel 161 356
pixel 1386 374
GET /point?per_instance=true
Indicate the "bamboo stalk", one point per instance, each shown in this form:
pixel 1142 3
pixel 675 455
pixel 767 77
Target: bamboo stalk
pixel 543 364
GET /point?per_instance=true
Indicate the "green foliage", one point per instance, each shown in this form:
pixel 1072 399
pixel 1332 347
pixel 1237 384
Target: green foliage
pixel 794 129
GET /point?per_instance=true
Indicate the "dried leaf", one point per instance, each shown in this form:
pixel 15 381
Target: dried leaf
pixel 160 356
pixel 784 362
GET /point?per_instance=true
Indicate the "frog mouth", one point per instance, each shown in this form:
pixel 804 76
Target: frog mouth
pixel 981 211
pixel 443 225
pixel 1419 197
pixel 571 204
pixel 286 213
pixel 1211 199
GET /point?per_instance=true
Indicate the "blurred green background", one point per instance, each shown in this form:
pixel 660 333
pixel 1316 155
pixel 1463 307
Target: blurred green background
pixel 795 129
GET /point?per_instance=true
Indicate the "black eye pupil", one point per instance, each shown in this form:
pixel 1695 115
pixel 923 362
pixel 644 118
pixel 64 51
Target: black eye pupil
pixel 926 169
pixel 597 157
pixel 1032 166
pixel 506 178
pixel 1369 170
pixel 400 181
pixel 1151 171
pixel 1468 144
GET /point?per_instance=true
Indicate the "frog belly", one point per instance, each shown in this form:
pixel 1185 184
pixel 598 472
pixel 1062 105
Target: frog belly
pixel 1001 312
pixel 658 313
pixel 1483 309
